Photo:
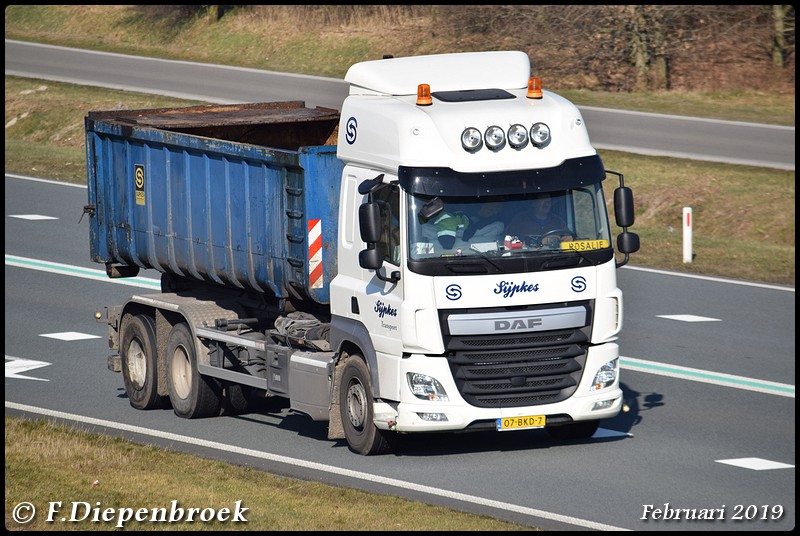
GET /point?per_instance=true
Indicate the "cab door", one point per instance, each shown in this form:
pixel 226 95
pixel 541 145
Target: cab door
pixel 384 287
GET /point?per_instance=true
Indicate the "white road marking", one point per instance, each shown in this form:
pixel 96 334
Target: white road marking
pixel 756 464
pixel 69 336
pixel 689 318
pixel 32 217
pixel 16 366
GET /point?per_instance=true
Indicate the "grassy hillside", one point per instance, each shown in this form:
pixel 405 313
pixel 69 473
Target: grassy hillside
pixel 325 41
pixel 743 216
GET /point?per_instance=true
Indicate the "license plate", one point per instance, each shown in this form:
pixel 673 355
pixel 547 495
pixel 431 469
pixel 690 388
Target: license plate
pixel 584 245
pixel 521 423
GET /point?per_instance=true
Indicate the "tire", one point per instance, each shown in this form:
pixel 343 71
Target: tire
pixel 192 395
pixel 140 362
pixel 355 405
pixel 578 430
pixel 236 398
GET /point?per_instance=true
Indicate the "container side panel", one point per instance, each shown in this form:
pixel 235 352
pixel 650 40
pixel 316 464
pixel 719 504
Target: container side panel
pixel 98 243
pixel 213 210
pixel 322 211
pixel 122 191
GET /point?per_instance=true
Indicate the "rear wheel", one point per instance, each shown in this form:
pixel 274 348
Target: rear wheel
pixel 576 430
pixel 236 398
pixel 139 361
pixel 193 396
pixel 355 404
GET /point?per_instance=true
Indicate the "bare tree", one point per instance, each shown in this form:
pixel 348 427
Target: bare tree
pixel 783 25
pixel 596 47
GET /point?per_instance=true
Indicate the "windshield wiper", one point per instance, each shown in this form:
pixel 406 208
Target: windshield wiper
pixel 470 265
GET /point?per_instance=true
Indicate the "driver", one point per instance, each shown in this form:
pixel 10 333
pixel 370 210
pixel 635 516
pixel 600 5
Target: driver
pixel 538 221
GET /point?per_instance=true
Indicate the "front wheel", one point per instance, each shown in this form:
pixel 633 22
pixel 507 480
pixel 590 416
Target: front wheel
pixel 355 404
pixel 193 396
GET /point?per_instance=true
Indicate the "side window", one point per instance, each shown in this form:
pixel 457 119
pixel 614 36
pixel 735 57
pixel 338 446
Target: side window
pixel 389 201
pixel 585 225
pixel 587 212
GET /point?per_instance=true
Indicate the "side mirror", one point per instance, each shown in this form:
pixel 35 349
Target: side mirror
pixel 369 222
pixel 623 206
pixel 628 243
pixel 370 259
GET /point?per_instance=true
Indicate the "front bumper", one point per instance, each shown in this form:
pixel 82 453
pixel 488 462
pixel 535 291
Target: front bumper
pixel 411 414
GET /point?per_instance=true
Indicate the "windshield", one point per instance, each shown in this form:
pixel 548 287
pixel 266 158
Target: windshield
pixel 518 225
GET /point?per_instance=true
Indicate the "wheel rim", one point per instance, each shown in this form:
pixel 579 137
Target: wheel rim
pixel 137 364
pixel 181 372
pixel 356 404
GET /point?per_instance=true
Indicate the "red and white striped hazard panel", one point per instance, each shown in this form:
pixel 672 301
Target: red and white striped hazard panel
pixel 315 254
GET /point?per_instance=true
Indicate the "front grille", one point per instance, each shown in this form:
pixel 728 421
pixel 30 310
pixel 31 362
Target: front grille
pixel 522 369
pixel 518 340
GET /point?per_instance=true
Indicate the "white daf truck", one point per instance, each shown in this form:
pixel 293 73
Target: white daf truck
pixel 382 267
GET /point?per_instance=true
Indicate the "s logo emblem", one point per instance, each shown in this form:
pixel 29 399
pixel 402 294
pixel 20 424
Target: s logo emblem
pixel 453 292
pixel 578 284
pixel 350 130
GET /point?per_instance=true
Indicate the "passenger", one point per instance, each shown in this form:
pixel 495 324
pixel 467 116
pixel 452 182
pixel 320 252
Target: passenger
pixel 469 226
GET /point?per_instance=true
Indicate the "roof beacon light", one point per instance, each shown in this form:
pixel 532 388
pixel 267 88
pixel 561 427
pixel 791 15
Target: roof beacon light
pixel 534 88
pixel 424 95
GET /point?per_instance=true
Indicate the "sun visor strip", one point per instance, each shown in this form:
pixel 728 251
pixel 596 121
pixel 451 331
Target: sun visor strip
pixel 433 181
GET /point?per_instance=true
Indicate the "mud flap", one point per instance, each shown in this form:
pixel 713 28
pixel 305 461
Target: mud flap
pixel 335 427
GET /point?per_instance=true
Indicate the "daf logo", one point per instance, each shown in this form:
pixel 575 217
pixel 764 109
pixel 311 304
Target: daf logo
pixel 520 323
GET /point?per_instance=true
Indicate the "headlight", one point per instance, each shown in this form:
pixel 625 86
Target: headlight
pixel 471 139
pixel 495 138
pixel 606 375
pixel 540 134
pixel 517 136
pixel 426 387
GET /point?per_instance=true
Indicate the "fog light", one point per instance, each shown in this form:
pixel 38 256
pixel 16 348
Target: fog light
pixel 540 134
pixel 471 139
pixel 433 417
pixel 517 136
pixel 605 404
pixel 606 375
pixel 426 387
pixel 495 138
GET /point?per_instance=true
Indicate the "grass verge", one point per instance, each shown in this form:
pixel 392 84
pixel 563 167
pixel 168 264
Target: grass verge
pixel 91 472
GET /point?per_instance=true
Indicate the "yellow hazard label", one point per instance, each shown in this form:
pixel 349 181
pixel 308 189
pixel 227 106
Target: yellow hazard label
pixel 139 178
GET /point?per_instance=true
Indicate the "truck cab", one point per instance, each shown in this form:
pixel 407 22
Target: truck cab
pixel 451 312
